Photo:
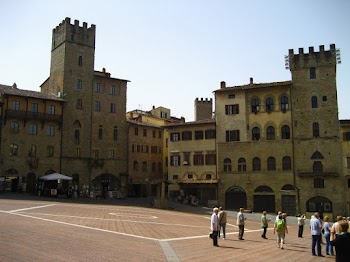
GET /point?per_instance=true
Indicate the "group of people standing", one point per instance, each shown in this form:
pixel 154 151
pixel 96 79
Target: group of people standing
pixel 337 236
pixel 218 221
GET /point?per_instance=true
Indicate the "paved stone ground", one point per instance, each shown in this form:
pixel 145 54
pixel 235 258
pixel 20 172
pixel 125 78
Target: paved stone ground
pixel 45 229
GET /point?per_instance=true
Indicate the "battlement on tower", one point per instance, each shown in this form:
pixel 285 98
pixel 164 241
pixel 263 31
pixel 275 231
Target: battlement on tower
pixel 66 31
pixel 312 58
pixel 203 101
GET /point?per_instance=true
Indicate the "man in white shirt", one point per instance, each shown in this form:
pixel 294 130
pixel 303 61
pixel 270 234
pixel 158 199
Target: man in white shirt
pixel 316 226
pixel 240 223
pixel 214 226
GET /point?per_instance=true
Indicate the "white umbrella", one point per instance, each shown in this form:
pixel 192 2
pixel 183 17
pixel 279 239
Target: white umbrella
pixel 55 176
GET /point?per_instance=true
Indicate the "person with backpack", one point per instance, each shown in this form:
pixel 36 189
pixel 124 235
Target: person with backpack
pixel 281 229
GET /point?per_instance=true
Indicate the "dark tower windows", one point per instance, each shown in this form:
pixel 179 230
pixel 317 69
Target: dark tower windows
pixel 80 61
pixel 256 164
pixel 312 73
pixel 100 133
pixel 255 105
pixel 314 102
pixel 315 129
pixel 270 133
pixel 256 133
pixel 271 164
pixel 285 132
pixel 284 103
pixel 242 165
pixel 269 104
pixel 227 165
pixel 286 163
pixel 79 84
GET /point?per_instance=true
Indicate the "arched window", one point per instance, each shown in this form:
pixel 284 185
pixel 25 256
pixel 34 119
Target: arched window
pixel 317 155
pixel 153 167
pixel 227 165
pixel 136 166
pixel 255 105
pixel 144 166
pixel 270 133
pixel 80 60
pixel 288 187
pixel 284 103
pixel 77 136
pixel 256 164
pixel 242 165
pixel 14 127
pixel 315 130
pixel 261 189
pixel 271 164
pixel 286 163
pixel 256 133
pixel 285 132
pixel 32 151
pixel 317 167
pixel 319 204
pixel 314 102
pixel 269 104
pixel 13 150
pixel 33 129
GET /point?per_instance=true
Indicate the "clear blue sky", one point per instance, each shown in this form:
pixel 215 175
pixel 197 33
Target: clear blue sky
pixel 176 51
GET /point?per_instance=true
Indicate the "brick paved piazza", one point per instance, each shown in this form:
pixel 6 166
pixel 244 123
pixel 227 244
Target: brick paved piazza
pixel 62 230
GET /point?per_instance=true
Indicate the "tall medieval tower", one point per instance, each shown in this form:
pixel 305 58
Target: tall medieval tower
pixel 94 129
pixel 315 128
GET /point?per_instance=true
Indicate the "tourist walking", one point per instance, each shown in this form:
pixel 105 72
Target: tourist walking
pixel 301 223
pixel 327 235
pixel 214 225
pixel 280 228
pixel 316 227
pixel 240 223
pixel 222 222
pixel 264 224
pixel 342 242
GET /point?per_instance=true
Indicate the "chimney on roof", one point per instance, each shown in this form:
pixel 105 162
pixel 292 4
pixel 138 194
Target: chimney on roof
pixel 222 84
pixel 14 85
pixel 104 70
pixel 251 81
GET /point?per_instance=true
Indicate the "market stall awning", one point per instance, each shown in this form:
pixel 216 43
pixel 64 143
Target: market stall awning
pixel 55 176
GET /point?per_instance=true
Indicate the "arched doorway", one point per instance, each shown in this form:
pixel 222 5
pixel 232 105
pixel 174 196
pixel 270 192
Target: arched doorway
pixel 11 180
pixel 235 198
pixel 288 199
pixel 264 199
pixel 31 183
pixel 319 204
pixel 106 182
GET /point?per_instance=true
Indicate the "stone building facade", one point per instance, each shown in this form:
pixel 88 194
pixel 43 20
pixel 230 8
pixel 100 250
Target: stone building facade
pixel 30 137
pixel 92 141
pixel 94 131
pixel 278 144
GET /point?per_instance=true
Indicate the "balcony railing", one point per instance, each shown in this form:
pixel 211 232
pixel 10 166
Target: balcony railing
pixel 26 115
pixel 311 173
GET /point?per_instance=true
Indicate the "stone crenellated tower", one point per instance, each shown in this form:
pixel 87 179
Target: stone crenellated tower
pixel 203 109
pixel 315 127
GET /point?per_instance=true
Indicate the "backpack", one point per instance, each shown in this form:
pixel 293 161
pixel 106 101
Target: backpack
pixel 280 225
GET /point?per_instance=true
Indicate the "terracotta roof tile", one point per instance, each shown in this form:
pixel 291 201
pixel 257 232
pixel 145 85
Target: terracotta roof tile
pixel 12 90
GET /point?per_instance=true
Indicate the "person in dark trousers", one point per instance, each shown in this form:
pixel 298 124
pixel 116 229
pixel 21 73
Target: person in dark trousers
pixel 264 224
pixel 214 226
pixel 316 227
pixel 301 224
pixel 240 223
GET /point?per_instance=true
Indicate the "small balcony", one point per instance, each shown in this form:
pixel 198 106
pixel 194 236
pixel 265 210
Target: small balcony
pixel 27 115
pixel 311 173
